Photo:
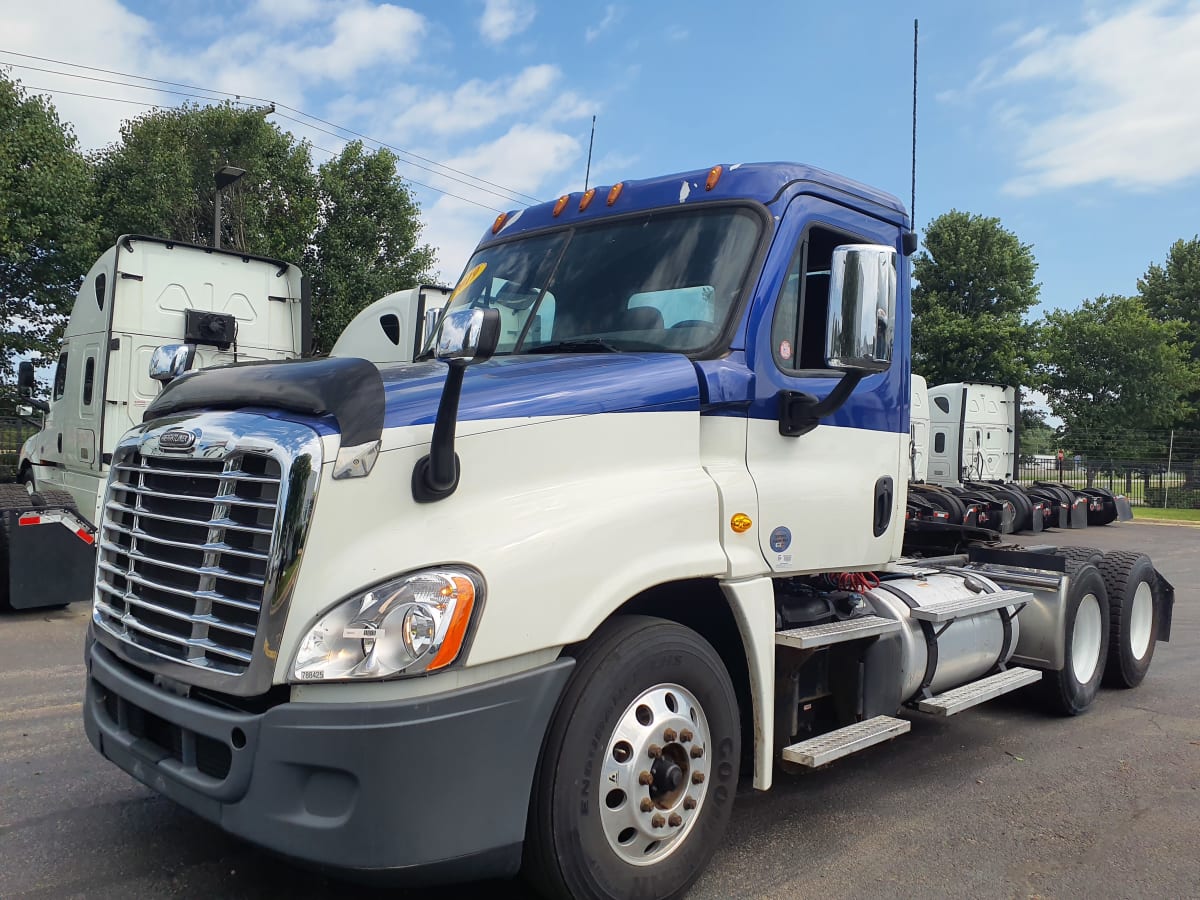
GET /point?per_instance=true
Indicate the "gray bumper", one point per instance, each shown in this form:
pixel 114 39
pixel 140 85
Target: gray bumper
pixel 430 789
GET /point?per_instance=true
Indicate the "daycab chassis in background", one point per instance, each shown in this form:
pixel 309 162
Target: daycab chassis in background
pixel 634 526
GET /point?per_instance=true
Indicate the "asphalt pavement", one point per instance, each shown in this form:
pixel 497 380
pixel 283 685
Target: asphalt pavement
pixel 1000 801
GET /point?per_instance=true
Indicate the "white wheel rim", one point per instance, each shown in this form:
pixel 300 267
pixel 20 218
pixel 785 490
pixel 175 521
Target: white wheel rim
pixel 1141 620
pixel 664 724
pixel 1085 639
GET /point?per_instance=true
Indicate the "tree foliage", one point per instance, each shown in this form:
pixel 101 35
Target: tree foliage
pixel 1171 292
pixel 48 235
pixel 1110 368
pixel 366 245
pixel 975 284
pixel 158 179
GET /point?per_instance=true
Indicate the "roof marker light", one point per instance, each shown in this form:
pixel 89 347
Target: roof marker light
pixel 499 223
pixel 586 200
pixel 561 204
pixel 614 192
pixel 714 175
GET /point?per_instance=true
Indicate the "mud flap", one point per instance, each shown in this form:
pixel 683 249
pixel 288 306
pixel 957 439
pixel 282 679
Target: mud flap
pixel 1079 511
pixel 1124 510
pixel 50 562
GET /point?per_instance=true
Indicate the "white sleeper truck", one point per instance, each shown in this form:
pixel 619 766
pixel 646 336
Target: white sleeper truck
pixel 144 297
pixel 630 528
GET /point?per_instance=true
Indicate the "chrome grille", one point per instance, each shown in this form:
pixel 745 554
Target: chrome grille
pixel 185 554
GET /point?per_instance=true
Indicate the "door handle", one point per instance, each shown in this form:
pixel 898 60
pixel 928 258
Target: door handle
pixel 883 505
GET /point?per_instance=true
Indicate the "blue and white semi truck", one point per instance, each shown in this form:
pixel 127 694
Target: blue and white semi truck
pixel 632 528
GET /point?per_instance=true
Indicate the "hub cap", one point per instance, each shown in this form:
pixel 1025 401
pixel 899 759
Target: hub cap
pixel 1085 639
pixel 1141 620
pixel 655 774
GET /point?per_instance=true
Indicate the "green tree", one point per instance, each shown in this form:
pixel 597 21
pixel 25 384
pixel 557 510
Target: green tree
pixel 1109 368
pixel 158 180
pixel 975 283
pixel 366 245
pixel 48 234
pixel 1171 292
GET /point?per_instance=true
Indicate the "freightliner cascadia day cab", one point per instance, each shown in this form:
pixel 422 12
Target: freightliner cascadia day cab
pixel 631 527
pixel 143 296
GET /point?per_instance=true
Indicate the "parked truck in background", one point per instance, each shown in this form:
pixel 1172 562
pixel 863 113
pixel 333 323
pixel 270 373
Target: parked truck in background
pixel 632 525
pixel 395 327
pixel 144 296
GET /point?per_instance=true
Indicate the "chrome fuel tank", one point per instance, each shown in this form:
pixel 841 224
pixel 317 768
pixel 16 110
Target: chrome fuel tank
pixel 966 648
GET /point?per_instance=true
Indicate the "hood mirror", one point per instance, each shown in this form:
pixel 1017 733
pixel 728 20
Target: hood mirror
pixel 170 361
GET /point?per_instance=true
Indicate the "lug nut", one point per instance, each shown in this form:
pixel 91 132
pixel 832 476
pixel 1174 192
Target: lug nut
pixel 697 751
pixel 645 778
pixel 647 804
pixel 658 821
pixel 654 751
pixel 669 735
pixel 697 778
pixel 675 820
pixel 689 803
pixel 685 736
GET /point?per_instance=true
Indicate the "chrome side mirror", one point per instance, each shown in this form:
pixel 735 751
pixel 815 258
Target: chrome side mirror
pixel 431 322
pixel 862 308
pixel 467 336
pixel 170 361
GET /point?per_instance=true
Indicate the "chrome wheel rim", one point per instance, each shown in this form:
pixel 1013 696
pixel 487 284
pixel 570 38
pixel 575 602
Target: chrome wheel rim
pixel 1141 620
pixel 1085 639
pixel 655 775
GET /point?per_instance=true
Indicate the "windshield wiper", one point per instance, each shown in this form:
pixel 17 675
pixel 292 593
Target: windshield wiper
pixel 588 345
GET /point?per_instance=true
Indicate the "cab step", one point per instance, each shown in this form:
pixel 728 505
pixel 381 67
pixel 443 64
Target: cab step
pixel 962 607
pixel 813 636
pixel 835 744
pixel 976 692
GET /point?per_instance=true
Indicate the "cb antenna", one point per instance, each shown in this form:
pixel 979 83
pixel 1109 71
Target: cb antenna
pixel 591 141
pixel 912 206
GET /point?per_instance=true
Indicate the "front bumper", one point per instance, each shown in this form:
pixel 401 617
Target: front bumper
pixel 430 789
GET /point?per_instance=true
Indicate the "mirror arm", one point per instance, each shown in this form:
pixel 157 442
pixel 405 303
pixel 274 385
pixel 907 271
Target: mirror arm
pixel 40 405
pixel 435 476
pixel 800 413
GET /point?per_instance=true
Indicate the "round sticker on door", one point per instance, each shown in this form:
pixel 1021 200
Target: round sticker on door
pixel 781 539
pixel 785 349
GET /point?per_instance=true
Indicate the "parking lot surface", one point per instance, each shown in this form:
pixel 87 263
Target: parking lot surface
pixel 1001 801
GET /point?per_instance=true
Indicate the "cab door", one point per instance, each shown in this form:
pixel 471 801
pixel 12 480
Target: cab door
pixel 832 498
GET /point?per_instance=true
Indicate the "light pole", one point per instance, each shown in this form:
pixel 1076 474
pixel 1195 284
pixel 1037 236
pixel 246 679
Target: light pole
pixel 226 175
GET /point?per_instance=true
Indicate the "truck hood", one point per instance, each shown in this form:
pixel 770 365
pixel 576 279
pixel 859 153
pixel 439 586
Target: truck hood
pixel 536 386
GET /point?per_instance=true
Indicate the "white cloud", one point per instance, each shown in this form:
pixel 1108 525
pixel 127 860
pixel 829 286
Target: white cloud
pixel 677 33
pixel 612 15
pixel 288 13
pixel 502 19
pixel 362 37
pixel 477 103
pixel 1124 112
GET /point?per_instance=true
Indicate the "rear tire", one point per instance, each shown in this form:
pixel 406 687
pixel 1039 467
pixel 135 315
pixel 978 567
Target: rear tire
pixel 1134 617
pixel 647 697
pixel 1072 689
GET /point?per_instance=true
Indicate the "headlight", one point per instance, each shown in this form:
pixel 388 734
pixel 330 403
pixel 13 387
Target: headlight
pixel 407 626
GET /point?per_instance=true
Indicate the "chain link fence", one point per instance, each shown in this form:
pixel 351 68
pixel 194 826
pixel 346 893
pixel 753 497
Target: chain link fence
pixel 1153 468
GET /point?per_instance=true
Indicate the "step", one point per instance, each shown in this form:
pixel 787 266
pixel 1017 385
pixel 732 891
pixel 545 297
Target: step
pixel 835 744
pixel 976 692
pixel 962 607
pixel 813 636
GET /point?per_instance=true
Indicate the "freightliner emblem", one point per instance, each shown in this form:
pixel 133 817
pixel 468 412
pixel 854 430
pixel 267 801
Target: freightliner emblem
pixel 177 440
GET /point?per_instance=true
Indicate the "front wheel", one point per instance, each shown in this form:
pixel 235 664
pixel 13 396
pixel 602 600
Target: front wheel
pixel 636 780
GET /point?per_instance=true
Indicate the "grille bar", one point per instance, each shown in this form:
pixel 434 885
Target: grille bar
pixel 185 553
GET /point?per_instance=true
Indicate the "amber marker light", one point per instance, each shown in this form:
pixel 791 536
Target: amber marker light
pixel 561 204
pixel 457 631
pixel 614 192
pixel 740 523
pixel 586 200
pixel 714 175
pixel 499 223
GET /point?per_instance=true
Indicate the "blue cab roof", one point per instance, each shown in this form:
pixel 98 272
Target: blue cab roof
pixel 762 182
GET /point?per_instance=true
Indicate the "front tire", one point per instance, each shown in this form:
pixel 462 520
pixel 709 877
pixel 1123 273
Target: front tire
pixel 1072 689
pixel 637 777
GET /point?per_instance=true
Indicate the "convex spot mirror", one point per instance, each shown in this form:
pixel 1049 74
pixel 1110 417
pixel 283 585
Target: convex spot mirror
pixel 468 335
pixel 25 380
pixel 170 361
pixel 862 308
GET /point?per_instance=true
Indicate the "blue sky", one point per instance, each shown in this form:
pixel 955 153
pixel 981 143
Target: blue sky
pixel 1074 122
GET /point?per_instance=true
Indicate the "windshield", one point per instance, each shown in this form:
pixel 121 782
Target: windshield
pixel 664 281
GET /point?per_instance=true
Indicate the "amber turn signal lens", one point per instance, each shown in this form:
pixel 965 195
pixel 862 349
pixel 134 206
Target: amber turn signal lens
pixel 740 523
pixel 614 192
pixel 714 175
pixel 499 223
